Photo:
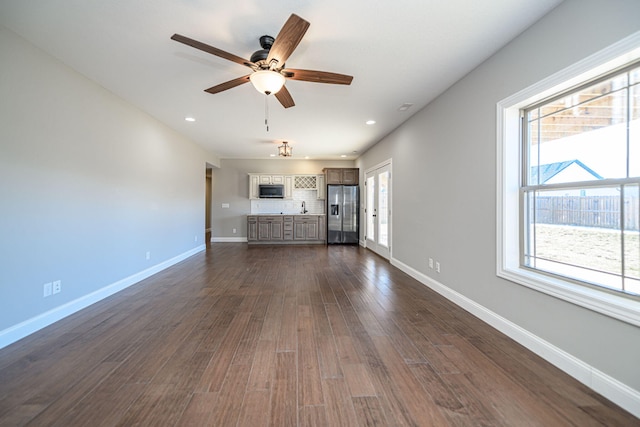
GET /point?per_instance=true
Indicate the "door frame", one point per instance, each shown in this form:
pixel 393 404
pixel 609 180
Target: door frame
pixel 386 163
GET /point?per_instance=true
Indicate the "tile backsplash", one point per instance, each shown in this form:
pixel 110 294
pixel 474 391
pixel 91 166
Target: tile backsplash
pixel 291 206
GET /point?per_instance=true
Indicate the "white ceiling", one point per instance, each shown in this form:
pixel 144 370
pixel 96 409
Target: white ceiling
pixel 405 51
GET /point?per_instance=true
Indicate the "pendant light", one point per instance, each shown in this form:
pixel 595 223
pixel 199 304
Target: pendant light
pixel 284 150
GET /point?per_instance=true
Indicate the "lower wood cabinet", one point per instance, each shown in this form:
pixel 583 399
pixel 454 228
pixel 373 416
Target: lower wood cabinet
pixel 283 229
pixel 287 228
pixel 305 227
pixel 252 228
pixel 270 228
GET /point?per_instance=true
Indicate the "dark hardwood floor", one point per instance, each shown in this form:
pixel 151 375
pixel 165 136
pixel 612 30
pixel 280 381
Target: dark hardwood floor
pixel 285 336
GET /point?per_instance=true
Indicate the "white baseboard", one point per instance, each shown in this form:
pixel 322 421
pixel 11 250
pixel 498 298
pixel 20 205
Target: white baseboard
pixel 22 329
pixel 609 387
pixel 229 239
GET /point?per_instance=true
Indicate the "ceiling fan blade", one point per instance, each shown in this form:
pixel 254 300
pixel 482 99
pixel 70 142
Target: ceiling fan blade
pixel 228 85
pixel 212 50
pixel 285 98
pixel 317 76
pixel 288 39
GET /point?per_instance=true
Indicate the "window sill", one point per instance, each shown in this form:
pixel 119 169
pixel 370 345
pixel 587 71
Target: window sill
pixel 620 307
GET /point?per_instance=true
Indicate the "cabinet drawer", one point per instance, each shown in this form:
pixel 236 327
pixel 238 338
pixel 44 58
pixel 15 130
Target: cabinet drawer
pixel 270 219
pixel 304 218
pixel 288 225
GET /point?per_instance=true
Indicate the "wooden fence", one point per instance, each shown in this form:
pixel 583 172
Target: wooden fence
pixel 588 211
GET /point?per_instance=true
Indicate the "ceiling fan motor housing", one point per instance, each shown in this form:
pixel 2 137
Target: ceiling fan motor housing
pixel 261 55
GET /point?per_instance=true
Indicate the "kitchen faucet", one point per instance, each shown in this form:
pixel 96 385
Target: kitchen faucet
pixel 304 209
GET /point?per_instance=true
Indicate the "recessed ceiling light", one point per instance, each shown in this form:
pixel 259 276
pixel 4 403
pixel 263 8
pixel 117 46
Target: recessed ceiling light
pixel 370 122
pixel 405 106
pixel 272 155
pixel 306 157
pixel 190 119
pixel 344 155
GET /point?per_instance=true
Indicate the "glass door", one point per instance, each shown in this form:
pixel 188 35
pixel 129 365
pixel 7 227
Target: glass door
pixel 378 210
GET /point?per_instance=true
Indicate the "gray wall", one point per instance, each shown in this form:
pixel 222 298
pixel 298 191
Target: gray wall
pixel 231 185
pixel 88 185
pixel 444 181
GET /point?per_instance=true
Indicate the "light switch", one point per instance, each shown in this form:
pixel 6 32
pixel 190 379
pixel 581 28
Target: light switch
pixel 225 206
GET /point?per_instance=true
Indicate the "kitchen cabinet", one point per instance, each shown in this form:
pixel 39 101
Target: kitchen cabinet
pixel 256 179
pixel 271 179
pixel 288 187
pixel 254 187
pixel 305 182
pixel 270 228
pixel 322 227
pixel 305 227
pixel 321 188
pixel 346 176
pixel 286 229
pixel 252 228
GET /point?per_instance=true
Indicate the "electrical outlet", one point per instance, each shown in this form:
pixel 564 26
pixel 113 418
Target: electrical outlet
pixel 234 231
pixel 430 262
pixel 148 255
pixel 437 267
pixel 57 286
pixel 47 289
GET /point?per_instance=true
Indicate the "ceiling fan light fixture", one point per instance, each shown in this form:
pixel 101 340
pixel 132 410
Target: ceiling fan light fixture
pixel 284 150
pixel 267 81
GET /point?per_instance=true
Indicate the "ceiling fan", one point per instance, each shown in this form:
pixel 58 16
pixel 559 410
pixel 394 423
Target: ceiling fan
pixel 268 64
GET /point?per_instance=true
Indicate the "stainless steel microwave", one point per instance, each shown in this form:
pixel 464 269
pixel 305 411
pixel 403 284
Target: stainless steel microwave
pixel 271 191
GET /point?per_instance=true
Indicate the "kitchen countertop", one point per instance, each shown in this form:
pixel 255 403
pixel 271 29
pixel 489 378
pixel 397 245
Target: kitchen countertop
pixel 286 214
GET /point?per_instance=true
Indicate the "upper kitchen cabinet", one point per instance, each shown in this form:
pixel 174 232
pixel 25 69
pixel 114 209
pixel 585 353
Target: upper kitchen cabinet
pixel 346 176
pixel 321 186
pixel 310 182
pixel 255 180
pixel 271 179
pixel 254 186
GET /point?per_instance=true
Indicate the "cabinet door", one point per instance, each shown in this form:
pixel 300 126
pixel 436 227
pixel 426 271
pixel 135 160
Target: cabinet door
pixel 312 230
pixel 254 187
pixel 288 187
pixel 265 179
pixel 277 179
pixel 276 230
pixel 252 229
pixel 299 231
pixel 321 187
pixel 264 230
pixel 334 176
pixel 322 228
pixel 350 176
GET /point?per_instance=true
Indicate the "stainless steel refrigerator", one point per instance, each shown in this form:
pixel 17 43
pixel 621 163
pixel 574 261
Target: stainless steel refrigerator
pixel 342 214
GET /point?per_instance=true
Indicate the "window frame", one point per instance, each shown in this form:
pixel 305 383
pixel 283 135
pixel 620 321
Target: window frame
pixel 509 216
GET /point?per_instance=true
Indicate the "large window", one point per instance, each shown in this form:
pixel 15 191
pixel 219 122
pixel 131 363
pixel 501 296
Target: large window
pixel 568 183
pixel 580 197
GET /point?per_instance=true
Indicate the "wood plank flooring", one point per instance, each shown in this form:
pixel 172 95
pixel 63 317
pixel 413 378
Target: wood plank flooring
pixel 285 336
